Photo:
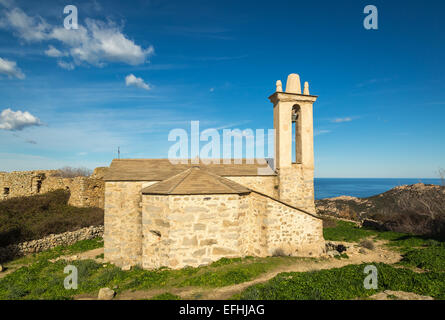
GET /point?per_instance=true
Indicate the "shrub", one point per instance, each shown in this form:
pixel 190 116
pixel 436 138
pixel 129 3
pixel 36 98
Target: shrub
pixel 29 218
pixel 368 244
pixel 69 172
pixel 278 252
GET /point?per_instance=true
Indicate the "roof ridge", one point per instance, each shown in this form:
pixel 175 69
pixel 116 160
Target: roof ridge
pixel 182 180
pixel 186 174
pixel 287 204
pixel 171 178
pixel 201 160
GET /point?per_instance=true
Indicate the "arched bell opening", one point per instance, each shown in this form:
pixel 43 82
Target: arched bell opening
pixel 296 134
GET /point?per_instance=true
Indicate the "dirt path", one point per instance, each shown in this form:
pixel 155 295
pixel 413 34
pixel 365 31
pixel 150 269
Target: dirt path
pixel 9 270
pixel 91 254
pixel 379 254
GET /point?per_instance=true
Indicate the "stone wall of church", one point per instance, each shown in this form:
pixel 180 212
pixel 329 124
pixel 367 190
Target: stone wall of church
pixel 263 184
pixel 195 230
pixel 191 230
pixel 123 222
pixel 288 231
pixel 296 187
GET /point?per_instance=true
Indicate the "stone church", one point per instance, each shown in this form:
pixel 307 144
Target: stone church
pixel 160 214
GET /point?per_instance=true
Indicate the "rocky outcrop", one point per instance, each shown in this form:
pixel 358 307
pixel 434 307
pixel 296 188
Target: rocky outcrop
pixel 54 240
pixel 417 209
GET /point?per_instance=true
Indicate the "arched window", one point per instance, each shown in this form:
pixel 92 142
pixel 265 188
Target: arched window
pixel 296 132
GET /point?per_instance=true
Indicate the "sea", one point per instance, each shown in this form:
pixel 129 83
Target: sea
pixel 361 188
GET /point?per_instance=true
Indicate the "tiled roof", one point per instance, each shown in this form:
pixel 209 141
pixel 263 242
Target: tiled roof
pixel 162 169
pixel 196 181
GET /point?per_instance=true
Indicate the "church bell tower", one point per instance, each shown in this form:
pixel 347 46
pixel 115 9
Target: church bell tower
pixel 293 124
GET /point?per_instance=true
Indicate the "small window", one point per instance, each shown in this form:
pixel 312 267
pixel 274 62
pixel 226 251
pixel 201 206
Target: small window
pixel 39 185
pixel 6 191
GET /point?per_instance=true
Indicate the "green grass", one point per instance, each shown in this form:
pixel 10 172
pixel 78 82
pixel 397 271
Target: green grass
pixel 349 232
pixel 430 259
pixel 166 296
pixel 44 280
pixel 342 256
pixel 345 283
pixel 346 231
pixel 41 279
pixel 78 247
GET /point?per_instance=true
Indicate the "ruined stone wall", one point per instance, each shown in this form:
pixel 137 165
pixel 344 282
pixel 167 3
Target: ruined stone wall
pixel 22 183
pixel 52 241
pixel 84 191
pixel 263 184
pixel 123 222
pixel 296 187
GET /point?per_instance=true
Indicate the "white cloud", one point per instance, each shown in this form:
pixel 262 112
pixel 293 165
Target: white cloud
pixel 94 43
pixel 320 132
pixel 25 27
pixel 17 120
pixel 65 65
pixel 54 52
pixel 6 3
pixel 340 120
pixel 10 69
pixel 132 80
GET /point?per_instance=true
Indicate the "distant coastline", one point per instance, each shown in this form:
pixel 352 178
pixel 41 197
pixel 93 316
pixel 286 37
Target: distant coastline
pixel 362 187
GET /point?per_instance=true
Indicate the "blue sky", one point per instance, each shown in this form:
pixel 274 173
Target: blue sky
pixel 380 111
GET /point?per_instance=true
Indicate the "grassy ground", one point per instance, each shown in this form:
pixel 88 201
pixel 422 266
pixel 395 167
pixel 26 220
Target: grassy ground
pixel 42 279
pixel 78 247
pixel 29 218
pixel 347 282
pixel 38 278
pixel 349 232
pixel 166 296
pixel 429 259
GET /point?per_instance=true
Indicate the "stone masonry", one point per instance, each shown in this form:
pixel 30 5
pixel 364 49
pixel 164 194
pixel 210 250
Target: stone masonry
pixel 52 241
pixel 193 230
pixel 84 191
